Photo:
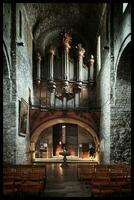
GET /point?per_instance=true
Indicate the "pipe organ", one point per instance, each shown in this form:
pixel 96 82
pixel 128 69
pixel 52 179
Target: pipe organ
pixel 64 92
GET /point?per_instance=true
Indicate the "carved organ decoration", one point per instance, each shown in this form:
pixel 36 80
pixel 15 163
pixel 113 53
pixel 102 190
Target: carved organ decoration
pixel 91 68
pixel 67 91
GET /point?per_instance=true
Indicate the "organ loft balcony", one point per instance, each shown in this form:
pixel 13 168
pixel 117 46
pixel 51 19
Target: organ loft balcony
pixel 64 78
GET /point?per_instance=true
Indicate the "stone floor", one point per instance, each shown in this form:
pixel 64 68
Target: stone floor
pixel 63 182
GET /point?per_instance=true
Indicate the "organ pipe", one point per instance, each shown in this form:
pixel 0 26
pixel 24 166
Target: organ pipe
pixel 91 68
pixel 38 66
pixel 66 43
pixel 81 52
pixel 52 53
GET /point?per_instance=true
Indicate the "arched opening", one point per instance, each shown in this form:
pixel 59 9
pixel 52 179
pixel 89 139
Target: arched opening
pixel 76 135
pixel 121 133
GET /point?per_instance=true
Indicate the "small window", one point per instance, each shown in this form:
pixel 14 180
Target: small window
pixel 20 24
pixel 124 6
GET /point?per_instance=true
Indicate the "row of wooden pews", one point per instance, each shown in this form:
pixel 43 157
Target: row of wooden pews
pixel 23 178
pixel 111 180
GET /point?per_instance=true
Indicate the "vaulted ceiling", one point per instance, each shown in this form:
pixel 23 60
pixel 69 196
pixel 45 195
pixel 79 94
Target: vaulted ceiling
pixel 48 20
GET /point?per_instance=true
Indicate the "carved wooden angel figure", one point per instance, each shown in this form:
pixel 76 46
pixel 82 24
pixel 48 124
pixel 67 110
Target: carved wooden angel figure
pixel 67 39
pixel 81 50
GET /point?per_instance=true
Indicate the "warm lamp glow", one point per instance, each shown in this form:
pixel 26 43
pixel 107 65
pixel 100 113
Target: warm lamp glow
pixel 58 150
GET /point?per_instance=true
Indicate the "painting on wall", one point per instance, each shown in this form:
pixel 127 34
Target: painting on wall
pixel 23 117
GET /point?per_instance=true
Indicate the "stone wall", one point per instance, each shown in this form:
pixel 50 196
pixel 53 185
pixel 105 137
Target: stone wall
pixel 121 112
pixel 9 117
pixel 23 77
pixel 114 90
pixel 121 88
pixel 17 81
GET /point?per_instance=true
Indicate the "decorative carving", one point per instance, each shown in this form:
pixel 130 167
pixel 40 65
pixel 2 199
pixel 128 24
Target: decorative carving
pixel 78 86
pixel 52 86
pixel 81 50
pixel 65 87
pixel 52 50
pixel 38 57
pixel 91 63
pixel 91 60
pixel 67 39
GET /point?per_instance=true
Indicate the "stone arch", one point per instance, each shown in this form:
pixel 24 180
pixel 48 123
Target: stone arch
pixel 121 130
pixel 54 32
pixel 7 83
pixel 52 122
pixel 6 62
pixel 123 46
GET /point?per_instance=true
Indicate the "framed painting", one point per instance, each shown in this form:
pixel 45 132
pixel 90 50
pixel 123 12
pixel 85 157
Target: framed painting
pixel 23 117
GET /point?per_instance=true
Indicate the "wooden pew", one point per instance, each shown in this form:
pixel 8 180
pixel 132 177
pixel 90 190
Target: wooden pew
pixel 23 178
pixel 107 180
pixel 85 172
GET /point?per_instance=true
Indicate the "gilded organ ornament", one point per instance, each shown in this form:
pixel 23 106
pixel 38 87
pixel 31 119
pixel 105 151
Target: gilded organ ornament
pixel 67 39
pixel 81 50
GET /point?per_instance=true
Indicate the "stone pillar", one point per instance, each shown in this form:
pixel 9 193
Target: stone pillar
pixel 66 43
pixel 38 67
pixel 52 53
pixel 81 52
pixel 91 62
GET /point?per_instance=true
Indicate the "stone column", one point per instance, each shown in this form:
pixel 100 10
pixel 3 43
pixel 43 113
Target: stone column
pixel 52 53
pixel 38 67
pixel 66 43
pixel 91 62
pixel 81 52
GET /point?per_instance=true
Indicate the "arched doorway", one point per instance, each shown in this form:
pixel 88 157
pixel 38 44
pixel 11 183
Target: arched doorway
pixel 73 124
